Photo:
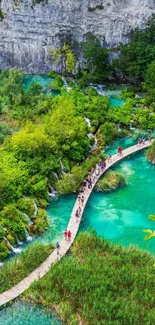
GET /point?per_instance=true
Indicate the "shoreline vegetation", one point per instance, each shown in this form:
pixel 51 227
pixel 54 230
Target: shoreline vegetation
pixel 110 182
pixel 48 144
pixel 15 270
pixel 99 283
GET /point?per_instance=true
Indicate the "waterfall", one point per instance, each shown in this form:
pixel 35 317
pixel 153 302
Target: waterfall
pixel 65 82
pixel 52 193
pixel 131 127
pixel 18 241
pixel 28 219
pixel 94 145
pixel 90 135
pixel 119 129
pixel 1 264
pixel 13 249
pixel 62 168
pixel 55 175
pixel 27 236
pixel 36 209
pixel 87 121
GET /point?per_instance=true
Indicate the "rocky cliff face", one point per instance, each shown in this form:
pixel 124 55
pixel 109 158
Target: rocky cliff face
pixel 29 29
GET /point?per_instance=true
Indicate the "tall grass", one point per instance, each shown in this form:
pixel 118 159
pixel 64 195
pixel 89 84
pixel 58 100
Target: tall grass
pixel 19 267
pixel 100 283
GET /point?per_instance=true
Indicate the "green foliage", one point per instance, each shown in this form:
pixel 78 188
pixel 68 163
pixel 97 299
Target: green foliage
pixel 64 56
pixel 110 182
pixel 26 206
pixel 52 74
pixel 102 283
pixel 96 58
pixel 72 181
pixel 151 154
pixel 40 223
pixel 17 269
pixel 127 93
pixel 108 132
pixel 150 233
pixel 67 132
pixel 149 84
pixel 57 83
pixel 139 52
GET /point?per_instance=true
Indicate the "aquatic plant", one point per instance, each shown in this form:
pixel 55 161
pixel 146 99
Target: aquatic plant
pixel 110 182
pixel 150 233
pixel 18 268
pixel 101 283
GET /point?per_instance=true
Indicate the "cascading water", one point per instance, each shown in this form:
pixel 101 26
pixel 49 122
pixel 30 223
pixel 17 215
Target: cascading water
pixel 28 219
pixel 52 192
pixel 55 175
pixel 13 249
pixel 36 209
pixel 87 121
pixel 27 236
pixel 19 243
pixel 62 168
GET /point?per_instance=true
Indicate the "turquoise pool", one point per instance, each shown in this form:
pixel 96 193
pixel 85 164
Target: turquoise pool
pixel 43 80
pixel 20 313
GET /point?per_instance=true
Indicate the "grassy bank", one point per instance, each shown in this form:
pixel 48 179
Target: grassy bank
pixel 100 283
pixel 17 269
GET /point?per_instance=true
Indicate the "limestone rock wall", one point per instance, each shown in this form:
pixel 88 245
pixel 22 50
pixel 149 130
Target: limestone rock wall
pixel 28 30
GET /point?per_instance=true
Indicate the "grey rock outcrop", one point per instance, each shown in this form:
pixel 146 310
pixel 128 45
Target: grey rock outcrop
pixel 28 30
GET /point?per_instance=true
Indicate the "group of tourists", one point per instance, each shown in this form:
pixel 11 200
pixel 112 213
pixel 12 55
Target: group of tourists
pixel 67 234
pixel 141 140
pixel 90 180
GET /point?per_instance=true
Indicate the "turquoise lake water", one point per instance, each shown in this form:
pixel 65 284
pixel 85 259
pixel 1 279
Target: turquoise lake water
pixel 43 80
pixel 119 216
pixel 114 101
pixel 25 314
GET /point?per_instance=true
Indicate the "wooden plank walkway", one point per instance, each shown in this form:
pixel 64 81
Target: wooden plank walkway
pixel 73 226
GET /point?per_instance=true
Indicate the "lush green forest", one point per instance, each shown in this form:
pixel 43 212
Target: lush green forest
pixel 44 143
pixel 99 283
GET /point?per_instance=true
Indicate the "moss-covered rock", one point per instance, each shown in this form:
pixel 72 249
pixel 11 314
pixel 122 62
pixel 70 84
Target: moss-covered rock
pixel 11 239
pixel 26 205
pixel 40 223
pixel 110 182
pixel 4 250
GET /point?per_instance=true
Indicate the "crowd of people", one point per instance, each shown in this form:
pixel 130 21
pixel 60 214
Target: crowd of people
pixel 141 140
pixel 89 182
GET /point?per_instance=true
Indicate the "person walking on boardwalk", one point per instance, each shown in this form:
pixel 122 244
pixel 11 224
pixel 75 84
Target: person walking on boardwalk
pixel 109 158
pixel 120 151
pixel 90 183
pixel 79 211
pixel 77 215
pixel 58 248
pixel 69 235
pixel 150 137
pixel 65 233
pixel 82 200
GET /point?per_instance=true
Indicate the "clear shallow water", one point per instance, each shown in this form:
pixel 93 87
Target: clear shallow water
pixel 114 101
pixel 21 313
pixel 122 216
pixel 59 212
pixel 114 96
pixel 43 80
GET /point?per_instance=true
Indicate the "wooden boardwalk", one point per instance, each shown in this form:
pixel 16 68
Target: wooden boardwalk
pixel 73 226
